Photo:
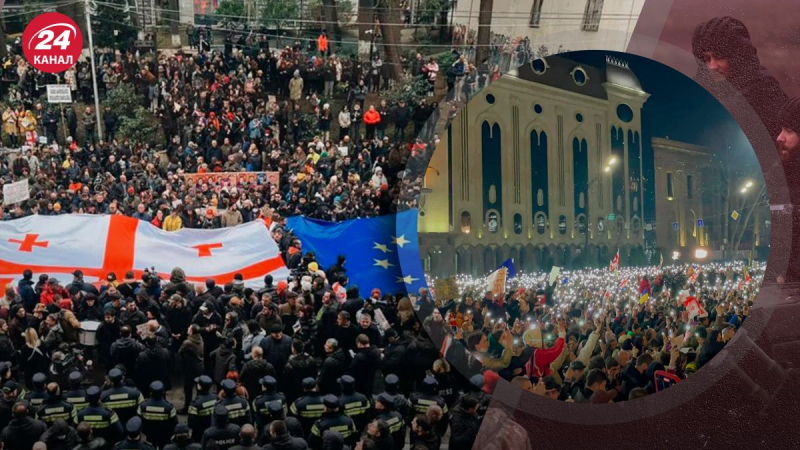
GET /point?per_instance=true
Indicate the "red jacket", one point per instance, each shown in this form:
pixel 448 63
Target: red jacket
pixel 48 293
pixel 539 364
pixel 372 117
pixel 644 286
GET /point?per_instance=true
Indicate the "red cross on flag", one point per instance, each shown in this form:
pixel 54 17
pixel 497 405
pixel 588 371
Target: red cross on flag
pixel 97 245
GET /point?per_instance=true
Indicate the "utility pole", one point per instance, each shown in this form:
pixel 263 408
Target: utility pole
pixel 99 126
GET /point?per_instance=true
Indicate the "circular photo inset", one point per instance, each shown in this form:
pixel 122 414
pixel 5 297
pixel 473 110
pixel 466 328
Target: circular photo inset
pixel 597 232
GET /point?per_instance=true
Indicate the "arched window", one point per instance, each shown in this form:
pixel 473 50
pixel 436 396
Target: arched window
pixel 581 224
pixel 541 221
pixel 466 222
pixel 562 224
pixel 493 222
pixel 517 223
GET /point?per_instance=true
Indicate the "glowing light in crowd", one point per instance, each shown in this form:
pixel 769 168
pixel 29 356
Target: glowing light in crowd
pixel 676 255
pixel 700 253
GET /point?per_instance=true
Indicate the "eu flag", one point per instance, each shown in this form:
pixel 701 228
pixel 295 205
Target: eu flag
pixel 509 264
pixel 381 252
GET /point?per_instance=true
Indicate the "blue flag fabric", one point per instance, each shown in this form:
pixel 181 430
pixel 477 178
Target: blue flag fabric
pixel 381 252
pixel 509 264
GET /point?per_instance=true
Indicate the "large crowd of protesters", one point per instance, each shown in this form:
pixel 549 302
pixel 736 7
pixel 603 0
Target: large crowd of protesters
pixel 289 365
pixel 590 336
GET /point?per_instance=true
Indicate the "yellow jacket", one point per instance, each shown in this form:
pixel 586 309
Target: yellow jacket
pixel 173 223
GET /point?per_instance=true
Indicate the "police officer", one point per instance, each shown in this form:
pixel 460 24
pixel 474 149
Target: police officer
pixel 54 407
pixel 332 420
pixel 134 439
pixel 158 416
pixel 392 386
pixel 385 406
pixel 38 395
pixel 276 413
pixel 182 439
pixel 123 400
pixel 222 433
pixel 260 405
pixel 421 401
pixel 354 404
pixel 476 391
pixel 202 407
pixel 76 396
pixel 308 408
pixel 104 422
pixel 238 408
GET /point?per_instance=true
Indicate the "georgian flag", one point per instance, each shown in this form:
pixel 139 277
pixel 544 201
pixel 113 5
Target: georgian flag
pixel 101 244
pixel 614 265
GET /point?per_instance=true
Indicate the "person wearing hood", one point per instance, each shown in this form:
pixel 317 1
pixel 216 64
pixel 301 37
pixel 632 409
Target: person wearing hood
pixel 728 62
pixel 182 439
pixel 23 430
pixel 176 280
pixel 60 436
pixel 282 440
pixel 89 309
pixel 126 349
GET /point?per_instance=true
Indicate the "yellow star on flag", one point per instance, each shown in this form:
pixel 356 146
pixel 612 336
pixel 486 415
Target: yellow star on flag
pixel 382 247
pixel 383 263
pixel 400 241
pixel 406 279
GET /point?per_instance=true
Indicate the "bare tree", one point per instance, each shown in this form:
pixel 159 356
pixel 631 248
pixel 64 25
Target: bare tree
pixel 331 17
pixel 484 30
pixel 388 15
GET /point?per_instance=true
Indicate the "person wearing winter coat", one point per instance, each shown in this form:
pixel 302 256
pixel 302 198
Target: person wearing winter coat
pixel 366 362
pixel 278 348
pixel 26 291
pixel 464 424
pixel 282 440
pixel 296 87
pixel 223 360
pixel 23 430
pixel 152 365
pixel 333 367
pixel 191 354
pixel 254 370
pixel 126 349
pixel 300 366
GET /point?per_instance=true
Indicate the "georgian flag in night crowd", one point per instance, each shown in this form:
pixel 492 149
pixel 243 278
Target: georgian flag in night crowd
pixel 381 252
pixel 100 244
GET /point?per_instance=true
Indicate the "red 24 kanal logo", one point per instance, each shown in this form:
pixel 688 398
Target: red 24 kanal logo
pixel 52 42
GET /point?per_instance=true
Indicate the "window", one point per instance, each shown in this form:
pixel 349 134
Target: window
pixel 591 17
pixel 517 224
pixel 562 224
pixel 492 222
pixel 536 13
pixel 689 190
pixel 581 224
pixel 579 76
pixel 669 186
pixel 540 223
pixel 466 222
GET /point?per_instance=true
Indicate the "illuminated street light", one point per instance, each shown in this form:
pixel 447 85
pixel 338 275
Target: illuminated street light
pixel 749 184
pixel 744 190
pixel 612 161
pixel 607 169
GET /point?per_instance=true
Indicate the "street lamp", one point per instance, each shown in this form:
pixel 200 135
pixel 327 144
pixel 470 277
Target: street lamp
pixel 607 169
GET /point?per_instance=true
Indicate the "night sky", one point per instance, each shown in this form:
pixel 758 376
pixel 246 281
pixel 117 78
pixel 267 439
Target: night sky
pixel 678 108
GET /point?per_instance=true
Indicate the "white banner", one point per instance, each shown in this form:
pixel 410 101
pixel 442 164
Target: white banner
pixel 16 192
pixel 496 283
pixel 59 93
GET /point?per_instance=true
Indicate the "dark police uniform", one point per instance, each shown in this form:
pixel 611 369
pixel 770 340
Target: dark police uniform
pixel 104 422
pixel 421 401
pixel 332 420
pixel 36 397
pixel 261 412
pixel 353 404
pixel 134 441
pixel 76 396
pixel 238 408
pixel 201 408
pixel 401 403
pixel 224 434
pixel 158 416
pixel 309 407
pixel 53 409
pixel 123 400
pixel 397 426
